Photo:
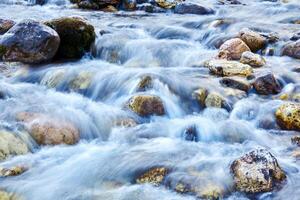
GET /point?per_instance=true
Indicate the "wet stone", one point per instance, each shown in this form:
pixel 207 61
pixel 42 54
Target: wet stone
pixel 5 25
pixel 146 105
pixel 191 134
pixel 296 140
pixel 13 171
pixel 257 171
pixel 232 49
pixel 154 176
pixel 253 39
pixel 254 60
pixel 236 83
pixel 145 83
pixel 267 85
pixel 288 116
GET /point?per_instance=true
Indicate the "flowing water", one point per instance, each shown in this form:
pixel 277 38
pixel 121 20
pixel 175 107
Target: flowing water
pixel 170 48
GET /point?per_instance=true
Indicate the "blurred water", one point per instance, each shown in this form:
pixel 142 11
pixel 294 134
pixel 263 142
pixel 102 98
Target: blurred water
pixel 171 49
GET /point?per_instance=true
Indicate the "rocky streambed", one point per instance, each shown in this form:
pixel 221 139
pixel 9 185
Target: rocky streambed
pixel 147 100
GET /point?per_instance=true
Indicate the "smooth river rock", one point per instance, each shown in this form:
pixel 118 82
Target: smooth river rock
pixel 29 42
pixel 146 105
pixel 47 130
pixel 190 8
pixel 233 49
pixel 5 25
pixel 253 39
pixel 292 49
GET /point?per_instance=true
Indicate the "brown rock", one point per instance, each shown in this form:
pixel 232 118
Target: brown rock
pixel 254 40
pixel 292 49
pixel 267 84
pixel 145 105
pixel 5 25
pixel 47 130
pixel 232 49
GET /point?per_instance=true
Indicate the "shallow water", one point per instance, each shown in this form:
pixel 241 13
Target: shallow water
pixel 171 48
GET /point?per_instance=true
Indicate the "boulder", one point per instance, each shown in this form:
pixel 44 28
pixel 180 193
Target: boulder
pixel 154 176
pixel 232 49
pixel 76 35
pixel 228 68
pixel 253 39
pixel 11 145
pixel 254 60
pixel 267 84
pixel 288 116
pixel 29 42
pixel 5 25
pixel 236 83
pixel 46 130
pixel 129 5
pixel 257 171
pixel 190 8
pixel 292 49
pixel 146 105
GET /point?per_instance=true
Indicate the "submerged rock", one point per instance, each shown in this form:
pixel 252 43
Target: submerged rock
pixel 236 83
pixel 267 84
pixel 254 60
pixel 8 196
pixel 257 171
pixel 214 100
pixel 82 81
pixel 76 35
pixel 13 171
pixel 288 116
pixel 253 39
pixel 46 130
pixel 5 25
pixel 146 105
pixel 228 68
pixel 296 140
pixel 191 134
pixel 29 42
pixel 232 49
pixel 154 176
pixel 200 95
pixel 145 83
pixel 11 145
pixel 190 8
pixel 292 50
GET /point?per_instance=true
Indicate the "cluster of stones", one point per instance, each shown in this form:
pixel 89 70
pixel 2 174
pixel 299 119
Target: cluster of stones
pixel 177 6
pixel 35 42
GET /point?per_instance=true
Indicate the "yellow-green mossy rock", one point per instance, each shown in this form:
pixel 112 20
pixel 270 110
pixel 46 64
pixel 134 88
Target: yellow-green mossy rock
pixel 288 116
pixel 146 105
pixel 47 130
pixel 167 4
pixel 257 171
pixel 9 196
pixel 76 36
pixel 200 95
pixel 11 145
pixel 154 176
pixel 228 68
pixel 82 81
pixel 232 49
pixel 214 100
